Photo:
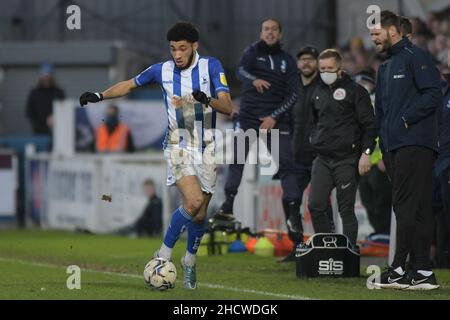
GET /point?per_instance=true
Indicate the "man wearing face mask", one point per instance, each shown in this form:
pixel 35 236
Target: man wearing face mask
pixel 343 137
pixel 113 135
pixel 408 96
pixel 270 87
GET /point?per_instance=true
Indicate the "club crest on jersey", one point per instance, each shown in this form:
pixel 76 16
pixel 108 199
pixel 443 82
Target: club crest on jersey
pixel 339 94
pixel 283 66
pixel 223 79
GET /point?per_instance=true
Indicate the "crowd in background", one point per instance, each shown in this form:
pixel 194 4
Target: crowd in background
pixel 433 35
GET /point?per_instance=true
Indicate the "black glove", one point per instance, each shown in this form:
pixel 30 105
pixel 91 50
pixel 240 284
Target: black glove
pixel 201 97
pixel 90 97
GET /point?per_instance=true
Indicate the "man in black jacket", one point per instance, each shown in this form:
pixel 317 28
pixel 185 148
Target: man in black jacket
pixel 150 222
pixel 39 108
pixel 303 152
pixel 408 95
pixel 344 137
pixel 270 87
pixel 308 67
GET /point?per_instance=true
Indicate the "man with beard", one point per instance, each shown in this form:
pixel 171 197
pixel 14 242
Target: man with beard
pixel 269 91
pixel 303 152
pixel 408 95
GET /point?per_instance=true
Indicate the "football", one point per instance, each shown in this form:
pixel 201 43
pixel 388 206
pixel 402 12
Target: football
pixel 160 274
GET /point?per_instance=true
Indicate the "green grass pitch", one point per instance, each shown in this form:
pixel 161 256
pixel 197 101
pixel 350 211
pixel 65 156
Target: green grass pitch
pixel 33 266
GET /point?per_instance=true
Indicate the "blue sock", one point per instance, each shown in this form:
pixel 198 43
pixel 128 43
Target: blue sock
pixel 176 227
pixel 195 235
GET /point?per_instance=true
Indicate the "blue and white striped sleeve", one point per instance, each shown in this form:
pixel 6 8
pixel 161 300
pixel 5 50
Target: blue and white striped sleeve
pixel 217 75
pixel 149 76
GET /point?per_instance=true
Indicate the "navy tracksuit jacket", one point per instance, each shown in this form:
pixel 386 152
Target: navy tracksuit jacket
pixel 409 93
pixel 276 67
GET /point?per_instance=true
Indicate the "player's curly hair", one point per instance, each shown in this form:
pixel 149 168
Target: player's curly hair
pixel 183 31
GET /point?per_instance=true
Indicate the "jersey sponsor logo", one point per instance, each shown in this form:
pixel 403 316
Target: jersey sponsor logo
pixel 399 76
pixel 261 59
pixel 223 79
pixel 204 80
pixel 339 94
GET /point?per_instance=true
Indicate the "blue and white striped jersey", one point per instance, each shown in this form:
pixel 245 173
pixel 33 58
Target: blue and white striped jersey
pixel 187 116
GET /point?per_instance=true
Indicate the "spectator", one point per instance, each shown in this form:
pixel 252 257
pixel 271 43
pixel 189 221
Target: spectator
pixel 150 222
pixel 113 135
pixel 374 187
pixel 406 28
pixel 39 108
pixel 408 95
pixel 344 137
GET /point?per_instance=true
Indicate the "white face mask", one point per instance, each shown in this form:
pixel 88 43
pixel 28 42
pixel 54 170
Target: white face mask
pixel 329 77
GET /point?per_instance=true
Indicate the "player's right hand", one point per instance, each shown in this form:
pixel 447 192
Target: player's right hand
pixel 90 97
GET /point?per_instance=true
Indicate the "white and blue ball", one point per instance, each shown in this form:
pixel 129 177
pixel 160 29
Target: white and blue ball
pixel 160 274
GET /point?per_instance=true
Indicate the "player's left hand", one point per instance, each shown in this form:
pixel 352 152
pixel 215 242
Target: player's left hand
pixel 268 123
pixel 201 97
pixel 364 164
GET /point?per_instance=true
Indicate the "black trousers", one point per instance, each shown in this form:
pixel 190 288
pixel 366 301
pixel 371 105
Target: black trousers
pixel 376 196
pixel 410 170
pixel 325 176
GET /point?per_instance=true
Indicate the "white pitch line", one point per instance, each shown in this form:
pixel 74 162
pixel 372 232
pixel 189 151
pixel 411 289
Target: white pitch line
pixel 200 284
